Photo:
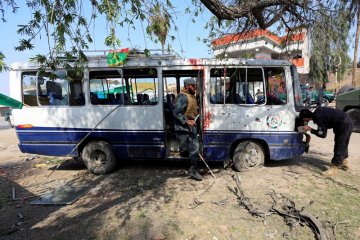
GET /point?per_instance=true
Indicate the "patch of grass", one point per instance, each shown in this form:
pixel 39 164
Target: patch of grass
pixel 141 215
pixel 172 229
pixel 338 205
pixel 53 160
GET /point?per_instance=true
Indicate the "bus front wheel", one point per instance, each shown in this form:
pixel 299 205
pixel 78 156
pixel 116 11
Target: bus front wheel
pixel 99 157
pixel 248 155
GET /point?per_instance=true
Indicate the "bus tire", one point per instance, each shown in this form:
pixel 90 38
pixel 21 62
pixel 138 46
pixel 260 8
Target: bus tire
pixel 99 157
pixel 248 155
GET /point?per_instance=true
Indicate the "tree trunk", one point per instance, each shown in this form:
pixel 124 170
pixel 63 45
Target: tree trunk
pixel 354 77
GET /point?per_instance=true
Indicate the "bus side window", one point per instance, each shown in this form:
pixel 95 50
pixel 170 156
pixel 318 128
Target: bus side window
pixel 276 93
pixel 142 85
pixel 29 88
pixel 106 87
pixel 53 91
pixel 236 85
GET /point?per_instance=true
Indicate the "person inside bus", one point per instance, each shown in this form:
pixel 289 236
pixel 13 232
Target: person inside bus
pixel 340 122
pixel 185 112
pixel 259 96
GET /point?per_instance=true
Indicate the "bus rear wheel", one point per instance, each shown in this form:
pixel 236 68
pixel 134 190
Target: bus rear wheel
pixel 248 155
pixel 99 157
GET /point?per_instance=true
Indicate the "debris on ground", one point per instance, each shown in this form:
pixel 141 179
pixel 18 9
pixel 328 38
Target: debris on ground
pixel 64 195
pixel 196 201
pixel 285 208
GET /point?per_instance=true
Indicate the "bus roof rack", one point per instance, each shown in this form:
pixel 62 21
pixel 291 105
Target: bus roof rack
pixel 157 54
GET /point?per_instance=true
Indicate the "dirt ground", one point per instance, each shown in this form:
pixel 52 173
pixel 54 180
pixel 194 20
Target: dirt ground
pixel 152 200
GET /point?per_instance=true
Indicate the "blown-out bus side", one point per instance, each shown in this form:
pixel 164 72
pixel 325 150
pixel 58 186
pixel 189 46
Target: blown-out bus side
pixel 248 111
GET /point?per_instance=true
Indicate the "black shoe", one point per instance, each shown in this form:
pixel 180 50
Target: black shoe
pixel 195 175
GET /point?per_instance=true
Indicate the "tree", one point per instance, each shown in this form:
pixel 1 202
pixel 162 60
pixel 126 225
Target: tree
pixel 355 7
pixel 159 24
pixel 66 24
pixel 2 63
pixel 328 43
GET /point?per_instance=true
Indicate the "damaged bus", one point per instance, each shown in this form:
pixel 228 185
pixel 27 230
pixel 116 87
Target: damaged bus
pixel 248 110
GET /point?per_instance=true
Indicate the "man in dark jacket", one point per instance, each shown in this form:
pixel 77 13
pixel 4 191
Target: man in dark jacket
pixel 185 112
pixel 340 122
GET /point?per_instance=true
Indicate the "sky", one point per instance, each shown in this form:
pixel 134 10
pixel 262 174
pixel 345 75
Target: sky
pixel 186 37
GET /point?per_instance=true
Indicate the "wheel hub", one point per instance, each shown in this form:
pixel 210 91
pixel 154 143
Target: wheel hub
pixel 252 158
pixel 99 157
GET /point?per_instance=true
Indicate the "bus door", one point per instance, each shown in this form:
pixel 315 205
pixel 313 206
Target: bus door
pixel 173 80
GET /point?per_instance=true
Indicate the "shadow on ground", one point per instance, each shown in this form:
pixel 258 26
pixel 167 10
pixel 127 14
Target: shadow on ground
pixel 116 207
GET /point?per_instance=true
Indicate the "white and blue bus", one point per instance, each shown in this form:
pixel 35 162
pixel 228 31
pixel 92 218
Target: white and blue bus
pixel 248 110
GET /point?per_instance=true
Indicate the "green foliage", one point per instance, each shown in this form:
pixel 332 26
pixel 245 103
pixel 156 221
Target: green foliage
pixel 66 26
pixel 7 3
pixel 3 66
pixel 329 41
pixel 159 24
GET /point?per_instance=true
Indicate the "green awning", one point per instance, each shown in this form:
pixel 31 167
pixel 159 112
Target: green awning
pixel 10 102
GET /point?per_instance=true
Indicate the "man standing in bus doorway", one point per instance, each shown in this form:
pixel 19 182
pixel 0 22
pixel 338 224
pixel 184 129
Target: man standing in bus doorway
pixel 340 122
pixel 186 110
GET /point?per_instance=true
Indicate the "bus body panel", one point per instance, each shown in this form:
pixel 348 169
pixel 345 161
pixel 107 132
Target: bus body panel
pixel 139 131
pixel 129 135
pixel 280 145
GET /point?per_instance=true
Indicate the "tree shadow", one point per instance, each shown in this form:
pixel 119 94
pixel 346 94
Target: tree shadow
pixel 127 195
pixel 16 214
pixel 136 186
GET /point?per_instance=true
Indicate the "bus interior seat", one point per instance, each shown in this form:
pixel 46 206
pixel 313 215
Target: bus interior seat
pixel 246 92
pixel 169 101
pixel 127 100
pixel 94 98
pixel 168 114
pixel 54 92
pixel 140 99
pixel 146 99
pixel 81 99
pixel 77 100
pixel 111 98
pixel 119 98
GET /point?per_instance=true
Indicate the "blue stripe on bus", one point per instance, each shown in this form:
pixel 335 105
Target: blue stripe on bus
pixel 151 143
pixel 282 145
pixel 61 141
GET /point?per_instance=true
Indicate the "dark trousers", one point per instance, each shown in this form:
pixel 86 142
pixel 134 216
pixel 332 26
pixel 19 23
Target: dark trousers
pixel 342 137
pixel 189 143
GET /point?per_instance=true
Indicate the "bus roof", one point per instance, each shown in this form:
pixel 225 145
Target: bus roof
pixel 162 60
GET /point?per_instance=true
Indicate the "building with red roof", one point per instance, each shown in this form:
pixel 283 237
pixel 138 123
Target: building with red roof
pixel 266 45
